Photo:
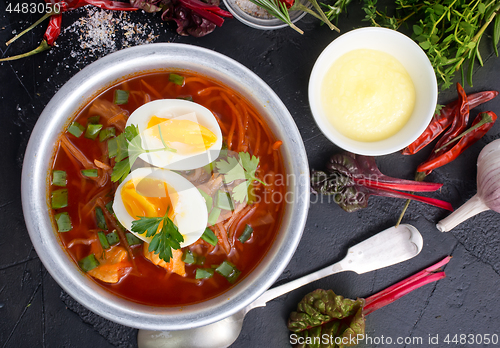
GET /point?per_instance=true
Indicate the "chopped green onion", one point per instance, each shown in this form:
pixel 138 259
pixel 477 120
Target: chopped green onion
pixel 88 263
pixel 103 240
pixel 121 97
pixel 59 198
pixel 229 271
pixel 189 257
pixel 63 221
pixel 208 199
pixel 209 237
pixel 107 133
pixel 93 131
pixel 109 207
pixel 93 120
pixel 112 147
pixel 204 273
pixel 112 238
pixel 209 168
pixel 101 221
pixel 247 233
pixel 214 216
pixel 177 79
pixel 59 178
pixel 223 200
pixel 90 173
pixel 132 239
pixel 188 98
pixel 200 260
pixel 76 129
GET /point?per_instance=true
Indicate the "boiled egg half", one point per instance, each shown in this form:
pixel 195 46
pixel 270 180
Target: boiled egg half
pixel 151 192
pixel 189 130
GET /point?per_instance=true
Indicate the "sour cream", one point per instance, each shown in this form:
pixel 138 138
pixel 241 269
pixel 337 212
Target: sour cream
pixel 367 95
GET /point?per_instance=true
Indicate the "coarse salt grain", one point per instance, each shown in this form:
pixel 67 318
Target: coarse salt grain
pixel 104 31
pixel 253 9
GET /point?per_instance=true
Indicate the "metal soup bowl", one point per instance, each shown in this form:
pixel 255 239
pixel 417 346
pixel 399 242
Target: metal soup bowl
pixel 84 87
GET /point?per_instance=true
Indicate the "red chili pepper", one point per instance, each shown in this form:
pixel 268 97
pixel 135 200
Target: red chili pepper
pixel 458 125
pixel 53 29
pixel 451 151
pixel 288 3
pixel 440 122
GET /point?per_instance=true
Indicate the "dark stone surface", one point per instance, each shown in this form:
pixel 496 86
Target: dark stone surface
pixel 34 312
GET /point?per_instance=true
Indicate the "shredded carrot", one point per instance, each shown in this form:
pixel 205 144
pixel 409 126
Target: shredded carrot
pixel 249 210
pixel 244 144
pixel 102 165
pixel 230 135
pixel 151 89
pixel 112 220
pixel 277 145
pixel 208 90
pixel 221 124
pixel 69 155
pixel 76 153
pixel 257 142
pixel 221 234
pixel 195 79
pixel 237 115
pixel 239 208
pixel 117 118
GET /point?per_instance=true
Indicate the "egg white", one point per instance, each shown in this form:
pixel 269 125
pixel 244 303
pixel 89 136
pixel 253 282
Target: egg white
pixel 190 211
pixel 182 110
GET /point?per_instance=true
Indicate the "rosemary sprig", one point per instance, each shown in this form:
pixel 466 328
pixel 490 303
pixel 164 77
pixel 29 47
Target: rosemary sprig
pixel 278 9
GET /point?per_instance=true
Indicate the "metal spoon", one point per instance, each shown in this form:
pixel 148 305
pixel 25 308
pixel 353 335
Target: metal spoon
pixel 394 245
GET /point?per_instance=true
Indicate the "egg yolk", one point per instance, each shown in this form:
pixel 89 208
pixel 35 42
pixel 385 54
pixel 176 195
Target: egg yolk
pixel 194 136
pixel 148 197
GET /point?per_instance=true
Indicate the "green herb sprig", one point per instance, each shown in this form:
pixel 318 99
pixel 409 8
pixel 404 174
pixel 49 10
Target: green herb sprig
pixel 240 169
pixel 126 148
pixel 448 31
pixel 333 12
pixel 165 240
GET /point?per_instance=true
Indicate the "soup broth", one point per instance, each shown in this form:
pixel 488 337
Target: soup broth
pixel 124 268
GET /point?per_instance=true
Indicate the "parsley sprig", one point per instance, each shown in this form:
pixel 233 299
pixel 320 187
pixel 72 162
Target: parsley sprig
pixel 126 148
pixel 242 167
pixel 449 32
pixel 165 240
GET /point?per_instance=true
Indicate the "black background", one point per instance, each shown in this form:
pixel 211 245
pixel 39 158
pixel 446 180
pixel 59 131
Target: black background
pixel 35 312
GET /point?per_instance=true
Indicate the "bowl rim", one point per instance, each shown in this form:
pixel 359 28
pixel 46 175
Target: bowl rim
pixel 62 108
pixel 382 147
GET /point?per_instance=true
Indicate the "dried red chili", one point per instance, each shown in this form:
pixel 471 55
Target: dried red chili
pixel 450 151
pixel 54 27
pixel 440 122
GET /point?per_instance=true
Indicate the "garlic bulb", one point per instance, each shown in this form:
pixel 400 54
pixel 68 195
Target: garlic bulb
pixel 488 189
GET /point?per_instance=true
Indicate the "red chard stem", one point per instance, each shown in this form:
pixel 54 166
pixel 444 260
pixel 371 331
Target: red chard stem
pixel 404 287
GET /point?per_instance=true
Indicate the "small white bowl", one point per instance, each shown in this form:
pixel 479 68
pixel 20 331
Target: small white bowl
pixel 416 63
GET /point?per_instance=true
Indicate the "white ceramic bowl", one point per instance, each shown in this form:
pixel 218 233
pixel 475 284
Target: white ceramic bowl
pixel 416 63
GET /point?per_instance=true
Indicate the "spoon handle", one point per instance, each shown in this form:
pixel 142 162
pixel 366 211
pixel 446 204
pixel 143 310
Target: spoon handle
pixel 297 283
pixel 394 245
